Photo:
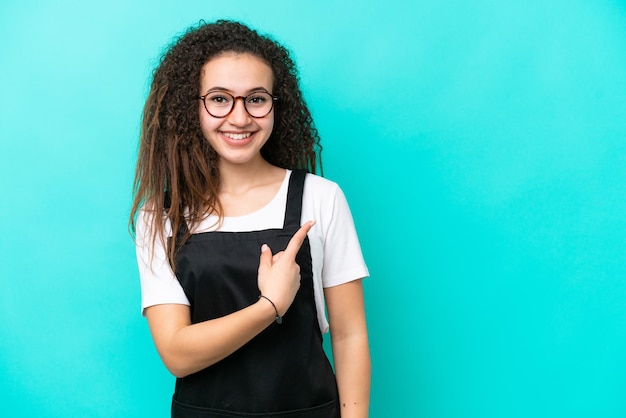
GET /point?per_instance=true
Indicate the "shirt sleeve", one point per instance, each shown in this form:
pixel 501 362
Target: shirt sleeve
pixel 343 258
pixel 159 285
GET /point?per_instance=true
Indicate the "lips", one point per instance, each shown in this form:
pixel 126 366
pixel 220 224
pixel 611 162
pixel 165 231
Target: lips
pixel 235 136
pixel 238 139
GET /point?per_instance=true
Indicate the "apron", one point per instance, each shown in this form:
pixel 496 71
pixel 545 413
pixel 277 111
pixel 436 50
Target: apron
pixel 283 371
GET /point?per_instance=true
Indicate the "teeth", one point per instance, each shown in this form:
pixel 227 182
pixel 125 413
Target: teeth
pixel 237 136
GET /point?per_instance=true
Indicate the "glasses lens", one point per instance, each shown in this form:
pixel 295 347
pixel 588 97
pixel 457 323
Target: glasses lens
pixel 218 104
pixel 259 104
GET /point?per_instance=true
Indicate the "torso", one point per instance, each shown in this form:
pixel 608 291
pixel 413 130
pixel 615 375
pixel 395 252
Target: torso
pixel 282 369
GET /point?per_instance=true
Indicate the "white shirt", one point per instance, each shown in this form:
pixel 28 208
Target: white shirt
pixel 335 250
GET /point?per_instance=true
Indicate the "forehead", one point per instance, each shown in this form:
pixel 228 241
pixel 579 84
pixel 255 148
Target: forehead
pixel 236 72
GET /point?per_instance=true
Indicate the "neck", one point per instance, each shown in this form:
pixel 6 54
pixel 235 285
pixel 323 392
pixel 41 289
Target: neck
pixel 241 177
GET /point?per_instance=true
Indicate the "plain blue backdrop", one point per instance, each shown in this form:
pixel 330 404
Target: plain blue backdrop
pixel 481 145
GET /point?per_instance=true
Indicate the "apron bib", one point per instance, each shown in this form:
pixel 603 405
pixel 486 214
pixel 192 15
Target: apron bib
pixel 283 371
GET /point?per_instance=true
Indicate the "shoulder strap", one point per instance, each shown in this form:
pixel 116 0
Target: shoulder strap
pixel 293 211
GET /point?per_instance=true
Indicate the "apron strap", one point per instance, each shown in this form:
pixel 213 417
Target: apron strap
pixel 293 211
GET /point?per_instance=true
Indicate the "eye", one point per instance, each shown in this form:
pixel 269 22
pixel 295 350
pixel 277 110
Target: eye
pixel 258 99
pixel 219 99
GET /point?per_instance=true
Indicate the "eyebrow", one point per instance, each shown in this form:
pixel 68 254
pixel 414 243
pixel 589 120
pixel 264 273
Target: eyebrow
pixel 252 90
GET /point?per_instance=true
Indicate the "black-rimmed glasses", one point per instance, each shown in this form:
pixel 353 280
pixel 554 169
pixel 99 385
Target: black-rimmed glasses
pixel 219 104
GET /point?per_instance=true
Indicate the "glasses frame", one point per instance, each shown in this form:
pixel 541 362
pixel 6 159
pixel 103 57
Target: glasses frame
pixel 243 99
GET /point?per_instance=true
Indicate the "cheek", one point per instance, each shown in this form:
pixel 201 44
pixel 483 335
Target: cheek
pixel 207 123
pixel 269 122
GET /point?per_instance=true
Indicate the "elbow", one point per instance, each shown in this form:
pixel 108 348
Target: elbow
pixel 182 365
pixel 177 365
pixel 179 374
pixel 177 369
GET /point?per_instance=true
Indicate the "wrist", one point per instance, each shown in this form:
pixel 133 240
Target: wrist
pixel 277 317
pixel 265 311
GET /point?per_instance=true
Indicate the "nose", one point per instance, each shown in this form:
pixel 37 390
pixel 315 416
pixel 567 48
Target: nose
pixel 239 115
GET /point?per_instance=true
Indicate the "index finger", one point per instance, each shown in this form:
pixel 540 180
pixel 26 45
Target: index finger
pixel 297 239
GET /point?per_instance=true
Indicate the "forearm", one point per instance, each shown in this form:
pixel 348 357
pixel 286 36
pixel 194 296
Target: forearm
pixel 353 370
pixel 188 348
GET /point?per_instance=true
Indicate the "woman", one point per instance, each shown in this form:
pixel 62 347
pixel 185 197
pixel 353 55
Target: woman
pixel 233 287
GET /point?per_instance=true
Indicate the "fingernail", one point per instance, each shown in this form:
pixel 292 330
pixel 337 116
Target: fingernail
pixel 264 248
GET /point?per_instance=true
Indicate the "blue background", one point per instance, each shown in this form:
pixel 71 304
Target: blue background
pixel 481 145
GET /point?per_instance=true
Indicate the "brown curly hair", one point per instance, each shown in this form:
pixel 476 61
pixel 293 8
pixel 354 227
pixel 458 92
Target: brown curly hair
pixel 176 167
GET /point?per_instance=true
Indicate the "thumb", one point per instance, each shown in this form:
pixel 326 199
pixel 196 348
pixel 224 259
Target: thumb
pixel 266 256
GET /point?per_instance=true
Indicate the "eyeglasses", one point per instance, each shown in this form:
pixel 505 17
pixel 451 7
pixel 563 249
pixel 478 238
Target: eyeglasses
pixel 219 104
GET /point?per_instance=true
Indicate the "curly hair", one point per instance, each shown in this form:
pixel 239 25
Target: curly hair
pixel 177 173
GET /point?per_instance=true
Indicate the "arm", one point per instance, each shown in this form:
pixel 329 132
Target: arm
pixel 346 312
pixel 186 348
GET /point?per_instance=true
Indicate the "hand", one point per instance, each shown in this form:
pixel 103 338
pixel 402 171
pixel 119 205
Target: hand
pixel 279 274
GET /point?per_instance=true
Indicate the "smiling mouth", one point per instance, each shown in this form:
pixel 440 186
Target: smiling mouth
pixel 236 136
